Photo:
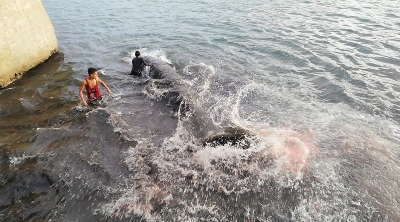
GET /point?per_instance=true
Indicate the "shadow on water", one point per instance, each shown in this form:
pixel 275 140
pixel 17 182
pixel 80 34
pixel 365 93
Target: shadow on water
pixel 26 103
pixel 54 157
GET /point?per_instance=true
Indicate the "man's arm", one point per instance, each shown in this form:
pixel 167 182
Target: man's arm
pixel 103 84
pixel 83 84
pixel 145 63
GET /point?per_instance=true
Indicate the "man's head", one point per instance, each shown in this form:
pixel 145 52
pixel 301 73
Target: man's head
pixel 137 53
pixel 91 71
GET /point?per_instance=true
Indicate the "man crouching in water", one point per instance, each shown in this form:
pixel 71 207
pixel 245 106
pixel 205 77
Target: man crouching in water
pixel 91 84
pixel 138 65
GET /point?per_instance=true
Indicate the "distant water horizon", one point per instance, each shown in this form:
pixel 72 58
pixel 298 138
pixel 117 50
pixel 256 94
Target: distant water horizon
pixel 315 84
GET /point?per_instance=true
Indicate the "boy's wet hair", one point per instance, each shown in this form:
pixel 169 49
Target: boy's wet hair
pixel 137 53
pixel 91 70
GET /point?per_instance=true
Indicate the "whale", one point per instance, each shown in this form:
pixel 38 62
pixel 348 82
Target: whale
pixel 181 99
pixel 163 75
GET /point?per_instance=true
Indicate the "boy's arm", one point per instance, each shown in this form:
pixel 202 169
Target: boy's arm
pixel 104 85
pixel 83 83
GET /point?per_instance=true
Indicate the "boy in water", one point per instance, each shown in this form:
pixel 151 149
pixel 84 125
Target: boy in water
pixel 138 65
pixel 91 83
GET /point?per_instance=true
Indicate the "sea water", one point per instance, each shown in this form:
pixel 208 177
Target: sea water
pixel 314 83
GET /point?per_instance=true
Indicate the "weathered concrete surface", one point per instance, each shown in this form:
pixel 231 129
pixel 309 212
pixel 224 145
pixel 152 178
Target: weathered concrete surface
pixel 27 38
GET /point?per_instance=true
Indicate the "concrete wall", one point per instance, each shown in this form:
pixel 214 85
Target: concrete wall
pixel 27 38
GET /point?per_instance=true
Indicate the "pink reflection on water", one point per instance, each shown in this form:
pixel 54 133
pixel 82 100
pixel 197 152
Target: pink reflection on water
pixel 290 149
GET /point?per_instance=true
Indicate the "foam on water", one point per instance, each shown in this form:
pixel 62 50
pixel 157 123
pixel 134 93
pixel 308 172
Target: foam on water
pixel 160 54
pixel 183 171
pixel 15 161
pixel 295 168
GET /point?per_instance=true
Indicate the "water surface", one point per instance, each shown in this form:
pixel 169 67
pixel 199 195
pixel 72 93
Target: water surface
pixel 315 83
